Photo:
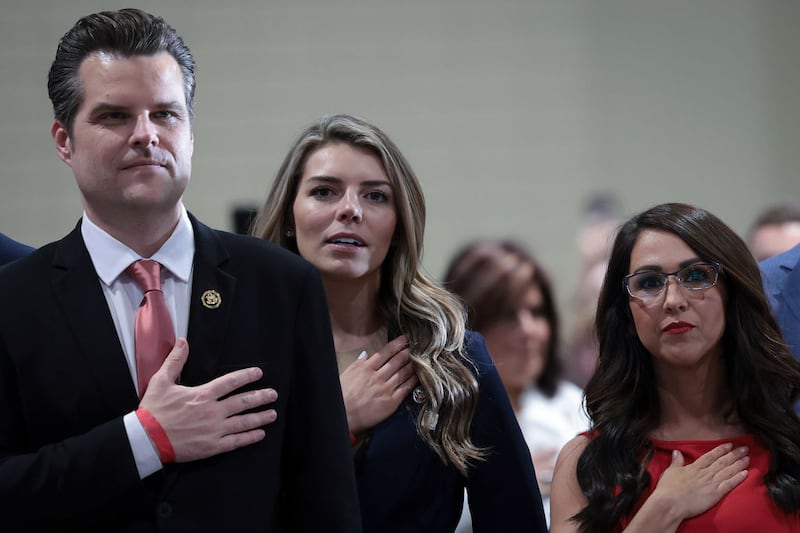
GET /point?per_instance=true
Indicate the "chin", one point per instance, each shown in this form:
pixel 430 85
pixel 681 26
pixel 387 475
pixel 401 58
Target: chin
pixel 343 274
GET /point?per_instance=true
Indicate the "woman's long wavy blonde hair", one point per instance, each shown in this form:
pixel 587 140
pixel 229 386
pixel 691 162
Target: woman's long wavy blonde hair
pixel 409 301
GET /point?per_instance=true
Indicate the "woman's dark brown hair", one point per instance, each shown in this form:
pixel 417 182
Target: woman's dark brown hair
pixel 489 276
pixel 621 399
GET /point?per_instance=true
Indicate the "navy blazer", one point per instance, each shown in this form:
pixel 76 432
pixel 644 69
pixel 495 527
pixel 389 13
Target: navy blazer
pixel 781 275
pixel 65 460
pixel 404 487
pixel 11 249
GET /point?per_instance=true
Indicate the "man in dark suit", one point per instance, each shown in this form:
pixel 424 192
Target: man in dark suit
pixel 11 249
pixel 242 428
pixel 781 275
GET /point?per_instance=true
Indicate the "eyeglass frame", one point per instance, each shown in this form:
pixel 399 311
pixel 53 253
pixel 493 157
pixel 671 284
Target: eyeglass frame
pixel 716 267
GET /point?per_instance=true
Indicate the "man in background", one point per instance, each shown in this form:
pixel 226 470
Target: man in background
pixel 775 230
pixel 781 274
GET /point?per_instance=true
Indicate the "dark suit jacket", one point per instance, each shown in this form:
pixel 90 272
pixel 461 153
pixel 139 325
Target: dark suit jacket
pixel 65 461
pixel 11 249
pixel 404 487
pixel 781 275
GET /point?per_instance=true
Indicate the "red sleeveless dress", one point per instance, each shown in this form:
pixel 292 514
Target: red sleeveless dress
pixel 747 508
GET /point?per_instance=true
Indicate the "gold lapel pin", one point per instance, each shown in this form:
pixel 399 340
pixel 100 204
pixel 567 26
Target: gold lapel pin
pixel 211 299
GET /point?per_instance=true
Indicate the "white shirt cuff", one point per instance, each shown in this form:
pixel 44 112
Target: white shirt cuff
pixel 144 453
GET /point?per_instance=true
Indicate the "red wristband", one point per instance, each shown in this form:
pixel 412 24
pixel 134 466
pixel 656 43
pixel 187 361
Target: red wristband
pixel 157 435
pixel 352 439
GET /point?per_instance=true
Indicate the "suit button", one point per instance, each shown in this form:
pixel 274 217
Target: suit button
pixel 164 510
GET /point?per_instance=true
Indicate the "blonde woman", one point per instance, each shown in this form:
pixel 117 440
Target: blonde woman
pixel 427 411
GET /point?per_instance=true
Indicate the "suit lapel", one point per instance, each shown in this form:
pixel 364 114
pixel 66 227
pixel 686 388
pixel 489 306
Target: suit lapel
pixel 209 313
pixel 78 294
pixel 210 306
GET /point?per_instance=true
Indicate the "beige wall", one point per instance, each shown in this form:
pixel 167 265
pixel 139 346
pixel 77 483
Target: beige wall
pixel 512 111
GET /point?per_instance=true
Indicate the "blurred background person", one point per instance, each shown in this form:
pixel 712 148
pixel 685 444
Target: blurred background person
pixel 11 249
pixel 600 220
pixel 781 276
pixel 347 200
pixel 775 230
pixel 510 300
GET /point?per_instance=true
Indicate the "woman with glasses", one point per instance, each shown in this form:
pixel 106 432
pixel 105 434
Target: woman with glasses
pixel 691 403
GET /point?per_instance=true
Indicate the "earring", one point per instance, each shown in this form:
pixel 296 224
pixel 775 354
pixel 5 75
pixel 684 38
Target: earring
pixel 289 232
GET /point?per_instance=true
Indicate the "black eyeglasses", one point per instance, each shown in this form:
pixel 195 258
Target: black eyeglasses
pixel 649 284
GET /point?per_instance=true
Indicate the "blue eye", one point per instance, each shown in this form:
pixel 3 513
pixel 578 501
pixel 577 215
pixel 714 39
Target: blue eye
pixel 697 277
pixel 696 274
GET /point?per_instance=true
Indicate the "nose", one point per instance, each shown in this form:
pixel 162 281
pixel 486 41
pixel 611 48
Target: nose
pixel 144 132
pixel 532 325
pixel 350 208
pixel 674 295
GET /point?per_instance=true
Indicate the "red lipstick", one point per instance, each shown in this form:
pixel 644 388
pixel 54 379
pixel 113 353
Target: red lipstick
pixel 676 328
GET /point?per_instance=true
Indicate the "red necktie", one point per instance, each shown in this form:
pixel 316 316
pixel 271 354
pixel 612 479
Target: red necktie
pixel 153 333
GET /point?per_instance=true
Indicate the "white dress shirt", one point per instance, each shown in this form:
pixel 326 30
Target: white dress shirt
pixel 110 258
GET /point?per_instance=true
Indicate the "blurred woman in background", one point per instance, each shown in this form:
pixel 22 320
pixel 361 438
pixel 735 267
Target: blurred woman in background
pixel 509 300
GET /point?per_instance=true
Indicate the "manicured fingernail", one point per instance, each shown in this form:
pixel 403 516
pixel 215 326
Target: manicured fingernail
pixel 362 355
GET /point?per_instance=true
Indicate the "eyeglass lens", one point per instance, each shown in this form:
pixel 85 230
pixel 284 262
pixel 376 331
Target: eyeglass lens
pixel 693 277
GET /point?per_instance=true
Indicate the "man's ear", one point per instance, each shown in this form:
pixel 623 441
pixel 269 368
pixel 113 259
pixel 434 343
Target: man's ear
pixel 63 142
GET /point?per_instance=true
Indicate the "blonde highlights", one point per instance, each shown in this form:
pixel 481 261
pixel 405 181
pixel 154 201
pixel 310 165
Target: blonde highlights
pixel 410 302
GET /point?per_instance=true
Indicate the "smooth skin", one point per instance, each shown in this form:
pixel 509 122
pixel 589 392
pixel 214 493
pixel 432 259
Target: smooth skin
pixel 375 386
pixel 130 150
pixel 688 364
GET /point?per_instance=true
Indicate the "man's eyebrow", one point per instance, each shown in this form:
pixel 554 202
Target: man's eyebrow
pixel 171 104
pixel 107 106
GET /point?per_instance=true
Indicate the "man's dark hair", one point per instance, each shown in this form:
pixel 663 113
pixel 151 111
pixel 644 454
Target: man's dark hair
pixel 124 33
pixel 777 214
